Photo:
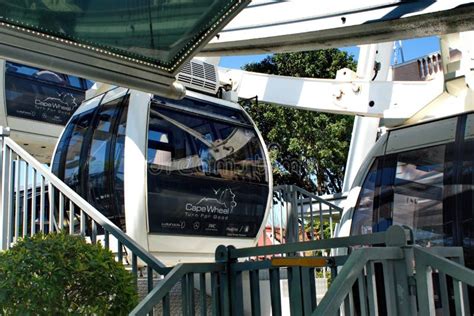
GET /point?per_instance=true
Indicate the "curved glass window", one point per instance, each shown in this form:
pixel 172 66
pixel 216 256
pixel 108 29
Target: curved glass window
pixel 118 153
pixel 409 188
pixel 363 218
pixel 100 185
pixel 202 107
pixel 42 95
pixel 57 166
pixel 206 176
pixel 466 213
pixel 92 151
pixel 73 161
pixel 420 195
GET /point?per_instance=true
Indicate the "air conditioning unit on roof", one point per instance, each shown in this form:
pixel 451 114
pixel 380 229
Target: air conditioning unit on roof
pixel 199 76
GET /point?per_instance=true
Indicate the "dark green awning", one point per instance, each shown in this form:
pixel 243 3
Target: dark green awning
pixel 157 34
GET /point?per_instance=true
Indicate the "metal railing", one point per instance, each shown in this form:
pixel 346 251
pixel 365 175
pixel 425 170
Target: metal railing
pixel 242 287
pixel 35 200
pixel 299 215
pixel 207 277
pixel 390 277
pixel 431 262
pixel 383 273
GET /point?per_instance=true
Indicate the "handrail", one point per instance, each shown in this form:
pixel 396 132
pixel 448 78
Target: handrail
pixel 285 187
pixel 98 217
pixel 228 269
pixel 433 259
pixel 395 234
pixel 318 198
pixel 425 257
pixel 363 269
pixel 356 269
pixel 350 273
pixel 301 214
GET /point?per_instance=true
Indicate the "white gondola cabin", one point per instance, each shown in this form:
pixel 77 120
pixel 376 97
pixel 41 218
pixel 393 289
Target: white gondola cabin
pixel 180 177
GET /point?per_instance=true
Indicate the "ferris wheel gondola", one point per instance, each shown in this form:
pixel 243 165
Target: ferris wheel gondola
pixel 180 177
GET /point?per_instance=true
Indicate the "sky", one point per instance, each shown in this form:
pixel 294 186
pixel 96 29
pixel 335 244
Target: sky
pixel 412 48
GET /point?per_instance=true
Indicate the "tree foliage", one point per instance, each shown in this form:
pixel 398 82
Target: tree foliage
pixel 308 149
pixel 61 274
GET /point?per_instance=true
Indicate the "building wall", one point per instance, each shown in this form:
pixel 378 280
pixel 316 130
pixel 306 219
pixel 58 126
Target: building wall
pixel 425 68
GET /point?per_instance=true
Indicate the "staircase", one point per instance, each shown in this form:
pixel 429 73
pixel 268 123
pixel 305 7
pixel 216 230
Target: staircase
pixel 35 200
pixel 377 274
pixel 391 277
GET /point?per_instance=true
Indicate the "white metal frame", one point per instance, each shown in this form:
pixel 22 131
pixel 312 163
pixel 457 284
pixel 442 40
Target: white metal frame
pixel 282 26
pixel 347 94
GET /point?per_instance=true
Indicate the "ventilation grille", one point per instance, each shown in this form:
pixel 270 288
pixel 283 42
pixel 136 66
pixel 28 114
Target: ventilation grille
pixel 200 76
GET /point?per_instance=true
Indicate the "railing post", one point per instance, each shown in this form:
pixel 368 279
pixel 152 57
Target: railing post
pixel 403 299
pixel 292 217
pixel 226 284
pixel 4 167
pixel 287 200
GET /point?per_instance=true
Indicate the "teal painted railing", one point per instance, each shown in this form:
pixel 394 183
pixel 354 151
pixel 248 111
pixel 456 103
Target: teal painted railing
pixel 244 271
pixel 448 262
pixel 299 215
pixel 377 280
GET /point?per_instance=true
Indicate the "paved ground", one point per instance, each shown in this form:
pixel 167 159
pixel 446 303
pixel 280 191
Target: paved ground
pixel 175 299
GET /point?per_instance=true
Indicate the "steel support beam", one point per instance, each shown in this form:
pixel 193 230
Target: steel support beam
pixel 283 26
pixel 345 95
pixel 364 132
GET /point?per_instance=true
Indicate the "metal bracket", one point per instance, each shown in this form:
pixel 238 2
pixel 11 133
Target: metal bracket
pixel 4 131
pixel 412 285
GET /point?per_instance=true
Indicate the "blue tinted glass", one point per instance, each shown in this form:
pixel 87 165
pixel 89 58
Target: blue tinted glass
pixel 73 161
pixel 99 164
pixel 40 74
pixel 89 84
pixel 56 166
pixel 119 158
pixel 46 101
pixel 21 69
pixel 419 192
pixel 74 81
pixel 362 221
pixel 41 95
pixel 200 106
pixel 93 150
pixel 467 211
pixel 205 177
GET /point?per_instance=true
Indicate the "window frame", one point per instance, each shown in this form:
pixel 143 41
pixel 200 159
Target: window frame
pixel 84 157
pixel 109 171
pixel 214 118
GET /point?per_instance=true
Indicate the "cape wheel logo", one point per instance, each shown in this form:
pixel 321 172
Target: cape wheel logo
pixel 64 102
pixel 222 202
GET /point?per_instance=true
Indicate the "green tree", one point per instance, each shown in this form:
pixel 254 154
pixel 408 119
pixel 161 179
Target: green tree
pixel 308 149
